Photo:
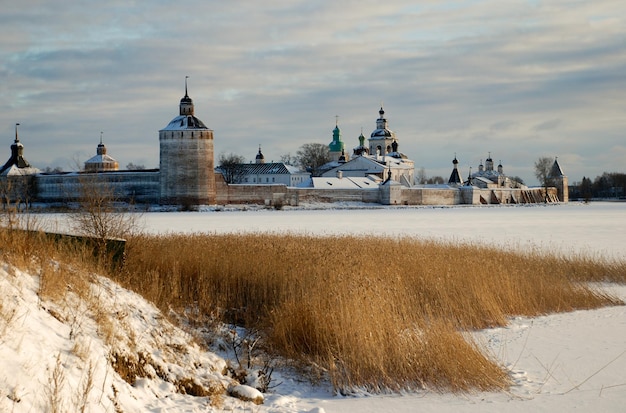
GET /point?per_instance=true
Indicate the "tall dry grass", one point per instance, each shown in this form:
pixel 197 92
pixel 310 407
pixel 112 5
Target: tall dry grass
pixel 371 313
pixel 61 265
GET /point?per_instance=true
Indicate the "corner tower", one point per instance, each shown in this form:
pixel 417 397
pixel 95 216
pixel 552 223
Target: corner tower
pixel 186 159
pixel 559 180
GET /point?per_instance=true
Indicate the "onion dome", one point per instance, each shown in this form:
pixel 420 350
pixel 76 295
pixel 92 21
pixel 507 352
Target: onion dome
pixel 259 156
pixel 361 149
pixel 381 130
pixel 337 144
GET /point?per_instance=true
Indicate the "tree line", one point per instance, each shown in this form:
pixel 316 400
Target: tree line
pixel 607 185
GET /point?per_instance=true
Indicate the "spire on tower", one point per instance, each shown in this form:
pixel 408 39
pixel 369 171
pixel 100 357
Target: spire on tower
pixel 186 103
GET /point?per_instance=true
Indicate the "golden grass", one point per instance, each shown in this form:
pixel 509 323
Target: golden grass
pixel 377 314
pixel 382 314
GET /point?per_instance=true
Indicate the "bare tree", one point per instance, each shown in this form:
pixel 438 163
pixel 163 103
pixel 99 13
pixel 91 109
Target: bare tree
pixel 50 170
pixel 231 167
pixel 16 194
pixel 135 167
pixel 543 172
pixel 288 159
pixel 311 156
pixel 420 176
pixel 100 216
pixel 435 180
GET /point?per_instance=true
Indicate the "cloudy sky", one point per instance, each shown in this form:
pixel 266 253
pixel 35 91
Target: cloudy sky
pixel 520 79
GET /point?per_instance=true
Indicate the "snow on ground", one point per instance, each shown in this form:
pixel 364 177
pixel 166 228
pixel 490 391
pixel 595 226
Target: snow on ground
pixel 561 362
pixel 598 228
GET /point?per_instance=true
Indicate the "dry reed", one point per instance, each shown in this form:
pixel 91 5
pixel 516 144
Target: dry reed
pixel 389 320
pixel 376 320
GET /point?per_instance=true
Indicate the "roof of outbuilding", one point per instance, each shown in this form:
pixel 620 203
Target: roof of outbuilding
pixel 271 168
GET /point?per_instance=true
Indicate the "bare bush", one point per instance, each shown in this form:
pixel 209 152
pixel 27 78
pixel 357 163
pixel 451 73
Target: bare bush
pixel 100 215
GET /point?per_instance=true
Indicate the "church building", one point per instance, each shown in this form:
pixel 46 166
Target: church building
pixel 380 160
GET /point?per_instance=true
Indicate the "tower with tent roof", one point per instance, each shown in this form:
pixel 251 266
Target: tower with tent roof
pixel 560 182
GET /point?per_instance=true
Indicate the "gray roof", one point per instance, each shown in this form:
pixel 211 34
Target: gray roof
pixel 556 170
pixel 185 122
pixel 274 168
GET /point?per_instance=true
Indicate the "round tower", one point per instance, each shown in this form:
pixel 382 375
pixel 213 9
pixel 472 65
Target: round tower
pixel 186 159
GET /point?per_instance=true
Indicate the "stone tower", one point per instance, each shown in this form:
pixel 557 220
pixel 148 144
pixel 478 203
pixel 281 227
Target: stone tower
pixel 559 180
pixel 186 159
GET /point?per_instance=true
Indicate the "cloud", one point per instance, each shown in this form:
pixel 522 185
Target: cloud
pixel 466 77
pixel 547 125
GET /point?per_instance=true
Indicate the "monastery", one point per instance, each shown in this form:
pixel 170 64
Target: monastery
pixel 375 172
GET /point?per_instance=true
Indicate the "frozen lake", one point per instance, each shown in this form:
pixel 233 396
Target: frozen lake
pixel 596 228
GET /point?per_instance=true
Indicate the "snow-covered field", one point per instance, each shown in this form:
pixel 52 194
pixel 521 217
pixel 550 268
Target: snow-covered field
pixel 561 362
pixel 596 228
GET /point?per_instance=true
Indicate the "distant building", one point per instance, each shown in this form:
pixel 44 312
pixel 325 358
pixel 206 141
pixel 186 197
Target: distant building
pixel 101 162
pixel 376 172
pixel 386 162
pixel 488 177
pixel 272 173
